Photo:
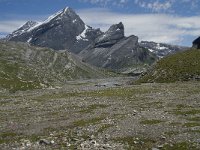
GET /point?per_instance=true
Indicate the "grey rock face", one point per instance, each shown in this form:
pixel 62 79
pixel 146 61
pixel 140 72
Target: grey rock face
pixel 86 38
pixel 60 32
pixel 161 49
pixel 110 37
pixel 63 30
pixel 114 51
pixel 92 34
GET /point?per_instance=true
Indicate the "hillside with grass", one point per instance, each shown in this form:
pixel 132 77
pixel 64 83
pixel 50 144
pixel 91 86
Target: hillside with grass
pixel 183 66
pixel 24 67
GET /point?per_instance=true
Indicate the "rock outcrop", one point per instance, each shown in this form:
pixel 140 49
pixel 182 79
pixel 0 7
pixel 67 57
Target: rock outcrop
pixel 196 43
pixel 110 37
pixel 114 51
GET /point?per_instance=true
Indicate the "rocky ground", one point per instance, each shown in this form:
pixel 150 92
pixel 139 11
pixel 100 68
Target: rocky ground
pixel 102 114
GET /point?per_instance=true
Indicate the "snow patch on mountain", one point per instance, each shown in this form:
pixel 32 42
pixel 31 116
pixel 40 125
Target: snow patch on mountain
pixel 160 47
pixel 75 20
pixel 33 27
pixel 29 40
pixel 82 36
pixel 151 50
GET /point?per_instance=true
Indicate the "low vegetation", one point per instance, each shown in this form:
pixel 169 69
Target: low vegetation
pixel 24 67
pixel 151 122
pixel 145 116
pixel 183 66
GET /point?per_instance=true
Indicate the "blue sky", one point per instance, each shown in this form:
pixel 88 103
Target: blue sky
pixel 168 21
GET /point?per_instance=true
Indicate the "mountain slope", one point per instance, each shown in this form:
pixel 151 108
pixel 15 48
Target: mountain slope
pixel 26 67
pixel 183 66
pixel 63 30
pixel 112 50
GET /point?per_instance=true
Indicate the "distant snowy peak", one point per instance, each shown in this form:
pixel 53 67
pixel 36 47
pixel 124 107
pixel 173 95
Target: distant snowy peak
pixel 22 29
pixel 161 49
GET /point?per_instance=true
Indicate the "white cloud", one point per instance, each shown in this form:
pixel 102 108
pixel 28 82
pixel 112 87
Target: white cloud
pixel 151 5
pixel 9 26
pixel 155 5
pixel 107 2
pixel 152 27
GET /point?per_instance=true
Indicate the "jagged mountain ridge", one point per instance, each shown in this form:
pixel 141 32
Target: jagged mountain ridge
pixel 63 30
pixel 110 37
pixel 112 50
pixel 25 67
pixel 68 31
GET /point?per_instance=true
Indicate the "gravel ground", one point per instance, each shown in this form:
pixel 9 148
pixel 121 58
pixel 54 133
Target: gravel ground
pixel 102 114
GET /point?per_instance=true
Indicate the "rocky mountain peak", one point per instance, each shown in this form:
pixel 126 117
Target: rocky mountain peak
pixel 66 16
pixel 24 28
pixel 29 24
pixel 69 11
pixel 117 28
pixel 59 31
pixel 110 37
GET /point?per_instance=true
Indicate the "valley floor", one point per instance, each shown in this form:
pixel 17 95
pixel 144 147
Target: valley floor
pixel 103 114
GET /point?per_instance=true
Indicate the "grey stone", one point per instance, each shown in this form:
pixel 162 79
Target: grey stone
pixel 44 142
